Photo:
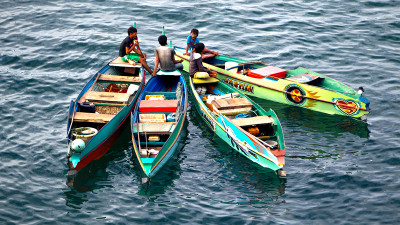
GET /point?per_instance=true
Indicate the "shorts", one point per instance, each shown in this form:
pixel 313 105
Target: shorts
pixel 131 56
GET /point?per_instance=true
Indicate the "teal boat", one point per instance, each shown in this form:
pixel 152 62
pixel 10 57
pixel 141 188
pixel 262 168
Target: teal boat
pixel 101 112
pixel 300 87
pixel 240 122
pixel 157 121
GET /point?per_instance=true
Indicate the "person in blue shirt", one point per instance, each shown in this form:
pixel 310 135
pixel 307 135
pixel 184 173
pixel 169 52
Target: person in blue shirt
pixel 192 40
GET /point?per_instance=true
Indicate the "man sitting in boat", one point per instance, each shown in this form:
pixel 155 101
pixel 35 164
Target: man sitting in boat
pixel 196 68
pixel 165 57
pixel 129 44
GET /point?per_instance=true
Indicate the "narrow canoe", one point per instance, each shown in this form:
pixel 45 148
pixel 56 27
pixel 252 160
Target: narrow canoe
pixel 157 121
pixel 101 111
pixel 240 122
pixel 300 87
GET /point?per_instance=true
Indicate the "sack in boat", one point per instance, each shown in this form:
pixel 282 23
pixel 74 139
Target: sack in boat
pixel 201 75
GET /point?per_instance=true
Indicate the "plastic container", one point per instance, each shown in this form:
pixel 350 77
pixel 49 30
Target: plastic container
pixel 87 107
pixel 253 130
pixel 229 65
pixel 164 106
pixel 268 71
pixel 171 117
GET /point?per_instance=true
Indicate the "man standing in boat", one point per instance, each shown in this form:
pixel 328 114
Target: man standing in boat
pixel 165 57
pixel 129 44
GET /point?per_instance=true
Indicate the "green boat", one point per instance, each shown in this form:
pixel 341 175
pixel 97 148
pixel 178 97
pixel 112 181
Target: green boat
pixel 157 121
pixel 300 87
pixel 240 122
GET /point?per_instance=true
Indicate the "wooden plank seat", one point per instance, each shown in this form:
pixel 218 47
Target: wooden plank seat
pixel 153 128
pixel 231 106
pixel 92 117
pixel 119 63
pixel 107 97
pixel 231 103
pixel 241 122
pixel 123 79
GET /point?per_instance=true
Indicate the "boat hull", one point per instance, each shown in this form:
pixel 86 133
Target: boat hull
pixel 236 138
pixel 150 167
pixel 106 137
pixel 285 91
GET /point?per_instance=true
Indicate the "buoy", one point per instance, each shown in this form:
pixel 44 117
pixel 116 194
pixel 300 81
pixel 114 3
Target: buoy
pixel 78 145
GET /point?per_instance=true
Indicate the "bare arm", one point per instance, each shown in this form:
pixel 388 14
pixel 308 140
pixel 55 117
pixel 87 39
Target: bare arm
pixel 155 66
pixel 174 60
pixel 187 49
pixel 206 50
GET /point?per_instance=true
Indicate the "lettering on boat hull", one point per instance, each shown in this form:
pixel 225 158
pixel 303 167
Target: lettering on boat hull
pixel 239 85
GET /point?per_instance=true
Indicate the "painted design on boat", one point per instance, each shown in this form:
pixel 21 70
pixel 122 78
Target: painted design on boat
pixel 295 94
pixel 206 118
pixel 244 147
pixel 348 107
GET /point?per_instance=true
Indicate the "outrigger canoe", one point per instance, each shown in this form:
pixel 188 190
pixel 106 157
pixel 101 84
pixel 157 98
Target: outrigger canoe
pixel 101 111
pixel 157 121
pixel 240 122
pixel 300 87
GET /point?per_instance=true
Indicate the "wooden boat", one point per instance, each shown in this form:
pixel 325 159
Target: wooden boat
pixel 100 112
pixel 240 122
pixel 300 87
pixel 157 121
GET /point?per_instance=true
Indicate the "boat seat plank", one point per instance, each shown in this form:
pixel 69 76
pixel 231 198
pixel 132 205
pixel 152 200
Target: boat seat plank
pixel 241 122
pixel 107 97
pixel 92 117
pixel 154 127
pixel 119 63
pixel 124 79
pixel 231 103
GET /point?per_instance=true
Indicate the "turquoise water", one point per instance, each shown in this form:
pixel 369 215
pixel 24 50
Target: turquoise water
pixel 340 171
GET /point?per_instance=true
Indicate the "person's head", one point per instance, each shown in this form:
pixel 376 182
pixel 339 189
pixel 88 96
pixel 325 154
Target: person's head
pixel 194 33
pixel 162 39
pixel 199 48
pixel 132 32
